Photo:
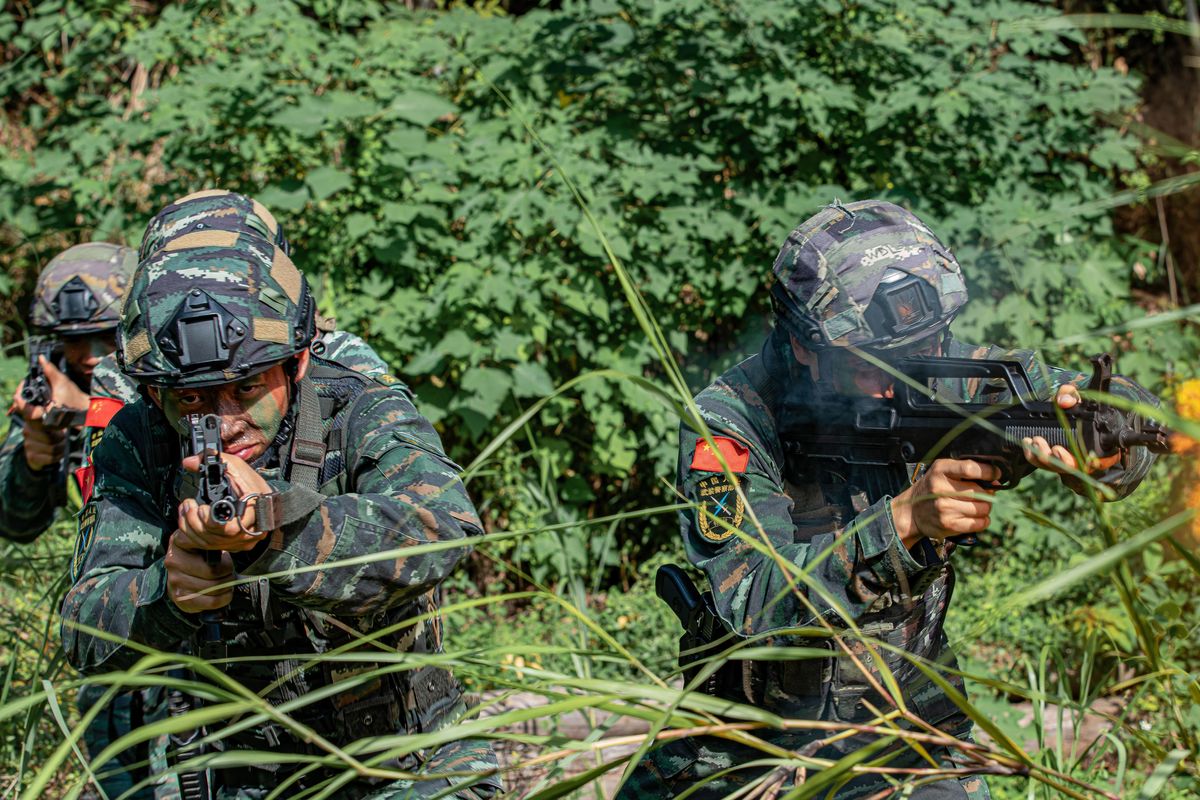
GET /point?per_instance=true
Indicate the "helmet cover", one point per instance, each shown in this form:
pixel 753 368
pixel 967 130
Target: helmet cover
pixel 80 290
pixel 208 217
pixel 865 274
pixel 201 316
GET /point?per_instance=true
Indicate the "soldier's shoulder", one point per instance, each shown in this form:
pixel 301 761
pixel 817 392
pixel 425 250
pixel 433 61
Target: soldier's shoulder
pixel 109 381
pixel 136 425
pixel 352 352
pixel 742 400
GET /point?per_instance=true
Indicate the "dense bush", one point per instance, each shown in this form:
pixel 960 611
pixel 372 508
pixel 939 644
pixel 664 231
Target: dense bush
pixel 400 153
pixel 423 167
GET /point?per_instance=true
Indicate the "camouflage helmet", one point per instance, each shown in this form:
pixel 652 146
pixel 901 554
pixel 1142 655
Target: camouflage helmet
pixel 211 314
pixel 213 211
pixel 80 290
pixel 865 274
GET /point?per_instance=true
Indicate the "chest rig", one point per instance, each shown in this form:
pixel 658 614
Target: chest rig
pixel 310 451
pixel 909 616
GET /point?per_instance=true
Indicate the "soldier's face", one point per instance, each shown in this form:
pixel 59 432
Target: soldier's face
pixel 83 353
pixel 251 410
pixel 851 375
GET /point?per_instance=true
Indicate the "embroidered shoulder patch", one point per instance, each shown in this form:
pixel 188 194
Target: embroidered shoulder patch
pixel 87 530
pixel 94 437
pixel 85 476
pixel 719 500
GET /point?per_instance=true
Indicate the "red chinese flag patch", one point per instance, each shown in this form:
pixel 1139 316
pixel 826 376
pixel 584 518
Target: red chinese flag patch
pixel 86 477
pixel 101 411
pixel 736 454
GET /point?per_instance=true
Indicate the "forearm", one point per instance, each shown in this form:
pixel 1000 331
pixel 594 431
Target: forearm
pixel 376 524
pixel 128 606
pixel 27 497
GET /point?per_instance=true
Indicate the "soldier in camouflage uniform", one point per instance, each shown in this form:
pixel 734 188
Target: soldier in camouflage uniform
pixel 867 277
pixel 214 212
pixel 331 464
pixel 77 301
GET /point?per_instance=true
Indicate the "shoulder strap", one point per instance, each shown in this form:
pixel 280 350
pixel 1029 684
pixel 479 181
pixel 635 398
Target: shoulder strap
pixel 308 443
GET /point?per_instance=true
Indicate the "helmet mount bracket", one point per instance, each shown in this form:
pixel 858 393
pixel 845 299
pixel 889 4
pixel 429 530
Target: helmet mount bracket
pixel 202 332
pixel 74 302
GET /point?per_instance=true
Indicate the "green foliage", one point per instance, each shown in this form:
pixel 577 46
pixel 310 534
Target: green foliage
pixel 396 149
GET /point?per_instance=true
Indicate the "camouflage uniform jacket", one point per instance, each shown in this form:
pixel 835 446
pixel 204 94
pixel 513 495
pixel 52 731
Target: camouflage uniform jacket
pixel 842 536
pixel 28 498
pixel 386 484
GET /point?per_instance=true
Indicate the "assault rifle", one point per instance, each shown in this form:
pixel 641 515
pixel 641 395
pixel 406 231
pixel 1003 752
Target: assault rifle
pixel 917 426
pixel 214 491
pixel 36 389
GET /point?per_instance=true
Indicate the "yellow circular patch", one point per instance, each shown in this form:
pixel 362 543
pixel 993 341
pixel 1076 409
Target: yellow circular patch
pixel 721 507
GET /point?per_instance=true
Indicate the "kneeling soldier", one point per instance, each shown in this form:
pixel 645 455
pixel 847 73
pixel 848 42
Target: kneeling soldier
pixel 328 464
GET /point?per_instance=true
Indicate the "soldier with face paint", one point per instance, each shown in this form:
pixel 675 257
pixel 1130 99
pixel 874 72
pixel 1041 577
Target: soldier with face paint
pixel 76 303
pixel 329 464
pixel 856 286
pixel 213 212
pixel 216 212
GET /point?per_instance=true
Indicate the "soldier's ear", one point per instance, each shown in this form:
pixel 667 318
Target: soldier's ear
pixel 806 357
pixel 155 395
pixel 302 362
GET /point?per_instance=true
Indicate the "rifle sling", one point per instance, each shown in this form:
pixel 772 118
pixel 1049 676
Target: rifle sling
pixel 306 458
pixel 308 442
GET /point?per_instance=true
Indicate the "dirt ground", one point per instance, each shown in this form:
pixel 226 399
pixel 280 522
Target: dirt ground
pixel 540 770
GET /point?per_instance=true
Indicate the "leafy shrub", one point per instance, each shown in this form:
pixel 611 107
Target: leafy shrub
pixel 400 153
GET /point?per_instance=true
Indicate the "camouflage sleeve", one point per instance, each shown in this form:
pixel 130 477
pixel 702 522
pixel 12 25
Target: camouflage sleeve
pixel 352 352
pixel 404 491
pixel 27 497
pixel 119 581
pixel 107 382
pixel 1135 464
pixel 848 567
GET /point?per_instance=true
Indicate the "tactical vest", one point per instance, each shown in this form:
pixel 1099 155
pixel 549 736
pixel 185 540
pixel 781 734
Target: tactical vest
pixel 908 618
pixel 259 623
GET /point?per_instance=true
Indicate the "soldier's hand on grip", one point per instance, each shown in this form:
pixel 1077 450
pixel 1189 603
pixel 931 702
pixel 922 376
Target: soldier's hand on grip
pixel 44 447
pixel 1059 459
pixel 63 391
pixel 949 499
pixel 189 574
pixel 245 482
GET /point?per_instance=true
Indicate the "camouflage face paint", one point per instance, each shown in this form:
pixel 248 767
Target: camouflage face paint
pixel 251 410
pixel 263 401
pixel 83 353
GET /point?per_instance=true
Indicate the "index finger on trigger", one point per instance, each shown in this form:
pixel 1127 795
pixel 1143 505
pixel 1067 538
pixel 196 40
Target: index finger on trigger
pixel 975 471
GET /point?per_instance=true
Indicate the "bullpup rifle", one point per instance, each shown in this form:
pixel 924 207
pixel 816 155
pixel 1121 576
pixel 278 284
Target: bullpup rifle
pixel 915 426
pixel 214 491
